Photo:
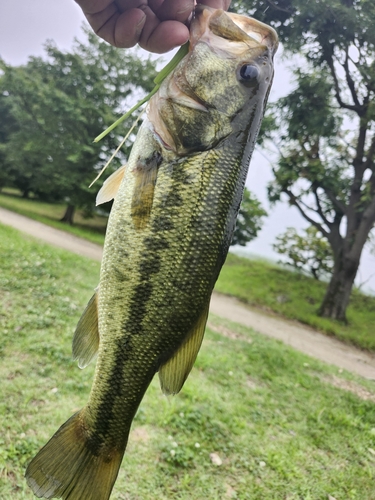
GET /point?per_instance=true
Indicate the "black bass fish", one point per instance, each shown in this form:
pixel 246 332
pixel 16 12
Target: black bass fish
pixel 168 235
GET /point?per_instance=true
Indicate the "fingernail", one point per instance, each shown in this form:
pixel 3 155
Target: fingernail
pixel 139 27
pixel 188 7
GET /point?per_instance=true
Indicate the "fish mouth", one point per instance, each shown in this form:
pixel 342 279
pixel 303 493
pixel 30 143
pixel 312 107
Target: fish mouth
pixel 218 27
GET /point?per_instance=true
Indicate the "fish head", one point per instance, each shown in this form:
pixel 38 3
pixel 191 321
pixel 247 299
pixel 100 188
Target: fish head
pixel 219 87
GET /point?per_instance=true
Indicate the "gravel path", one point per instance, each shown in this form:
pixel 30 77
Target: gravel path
pixel 302 338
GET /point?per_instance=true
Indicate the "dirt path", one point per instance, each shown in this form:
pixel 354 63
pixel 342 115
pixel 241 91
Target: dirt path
pixel 302 338
pixel 51 235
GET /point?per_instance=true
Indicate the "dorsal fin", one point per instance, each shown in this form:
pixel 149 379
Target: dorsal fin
pixel 143 194
pixel 86 337
pixel 175 371
pixel 110 186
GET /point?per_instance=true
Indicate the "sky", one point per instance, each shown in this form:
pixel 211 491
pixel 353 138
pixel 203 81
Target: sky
pixel 26 25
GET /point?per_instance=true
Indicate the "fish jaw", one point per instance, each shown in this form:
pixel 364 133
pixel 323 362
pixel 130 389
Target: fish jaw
pixel 198 103
pixel 218 27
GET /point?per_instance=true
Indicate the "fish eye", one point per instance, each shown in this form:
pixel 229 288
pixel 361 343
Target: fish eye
pixel 248 75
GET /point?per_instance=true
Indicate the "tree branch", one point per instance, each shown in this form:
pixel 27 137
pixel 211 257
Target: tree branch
pixel 339 205
pixel 370 154
pixel 293 200
pixel 307 207
pixel 342 104
pixel 319 209
pixel 372 184
pixel 364 228
pixel 349 79
pixel 360 149
pixel 280 9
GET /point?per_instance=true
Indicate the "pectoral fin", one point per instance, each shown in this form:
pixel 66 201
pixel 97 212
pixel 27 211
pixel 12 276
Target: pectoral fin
pixel 175 371
pixel 110 186
pixel 86 336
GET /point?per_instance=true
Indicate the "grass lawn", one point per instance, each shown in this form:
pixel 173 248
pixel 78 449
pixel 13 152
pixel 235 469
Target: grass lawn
pixel 255 420
pixel 92 229
pixel 297 297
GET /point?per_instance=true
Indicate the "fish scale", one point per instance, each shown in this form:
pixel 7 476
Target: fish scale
pixel 168 235
pixel 150 318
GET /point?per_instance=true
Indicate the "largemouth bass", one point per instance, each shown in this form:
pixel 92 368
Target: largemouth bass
pixel 168 235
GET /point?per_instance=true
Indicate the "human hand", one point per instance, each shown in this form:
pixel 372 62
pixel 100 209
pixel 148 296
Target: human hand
pixel 156 25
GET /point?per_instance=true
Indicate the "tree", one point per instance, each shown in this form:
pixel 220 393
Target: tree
pixel 60 105
pixel 309 252
pixel 327 152
pixel 249 220
pixel 8 125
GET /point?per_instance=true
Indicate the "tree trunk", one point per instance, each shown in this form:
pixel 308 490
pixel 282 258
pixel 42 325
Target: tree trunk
pixel 336 299
pixel 69 214
pixel 25 193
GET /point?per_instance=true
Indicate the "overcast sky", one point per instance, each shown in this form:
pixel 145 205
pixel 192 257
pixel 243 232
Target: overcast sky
pixel 26 24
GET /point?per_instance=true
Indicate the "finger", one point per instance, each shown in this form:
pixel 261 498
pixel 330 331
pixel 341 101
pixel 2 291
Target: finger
pixel 176 10
pixel 129 28
pixel 121 30
pixel 93 6
pixel 216 4
pixel 166 36
pixel 125 5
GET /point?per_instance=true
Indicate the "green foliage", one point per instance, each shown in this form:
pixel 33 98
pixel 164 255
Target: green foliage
pixel 268 412
pixel 314 159
pixel 296 296
pixel 8 125
pixel 249 220
pixel 325 169
pixel 306 252
pixel 60 105
pixel 316 27
pixel 269 125
pixel 308 110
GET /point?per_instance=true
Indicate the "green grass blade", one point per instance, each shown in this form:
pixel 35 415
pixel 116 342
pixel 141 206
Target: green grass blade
pixel 168 68
pixel 183 50
pixel 126 115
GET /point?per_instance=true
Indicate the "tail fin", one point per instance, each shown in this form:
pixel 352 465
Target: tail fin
pixel 67 468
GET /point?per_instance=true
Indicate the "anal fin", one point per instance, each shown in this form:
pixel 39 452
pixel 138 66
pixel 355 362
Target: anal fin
pixel 175 371
pixel 86 336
